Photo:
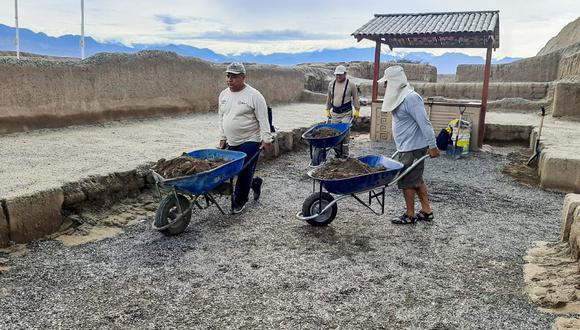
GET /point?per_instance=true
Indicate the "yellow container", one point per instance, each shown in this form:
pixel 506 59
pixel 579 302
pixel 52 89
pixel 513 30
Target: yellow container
pixel 464 135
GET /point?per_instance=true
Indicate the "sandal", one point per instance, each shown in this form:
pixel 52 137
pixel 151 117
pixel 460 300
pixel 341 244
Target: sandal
pixel 422 216
pixel 403 220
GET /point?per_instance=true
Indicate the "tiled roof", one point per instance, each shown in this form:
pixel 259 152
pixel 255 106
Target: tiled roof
pixel 433 30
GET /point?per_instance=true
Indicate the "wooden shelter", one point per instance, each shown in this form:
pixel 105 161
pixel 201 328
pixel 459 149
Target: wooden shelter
pixel 477 29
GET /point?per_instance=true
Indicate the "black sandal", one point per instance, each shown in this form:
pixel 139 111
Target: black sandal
pixel 404 220
pixel 422 216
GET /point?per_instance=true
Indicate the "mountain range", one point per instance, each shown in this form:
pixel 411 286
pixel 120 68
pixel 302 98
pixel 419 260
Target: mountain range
pixel 68 46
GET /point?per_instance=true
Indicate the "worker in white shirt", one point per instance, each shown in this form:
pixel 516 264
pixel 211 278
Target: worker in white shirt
pixel 244 126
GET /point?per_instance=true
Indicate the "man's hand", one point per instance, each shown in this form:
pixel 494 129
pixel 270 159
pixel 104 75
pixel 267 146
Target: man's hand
pixel 266 145
pixel 433 152
pixel 328 113
pixel 356 114
pixel 222 144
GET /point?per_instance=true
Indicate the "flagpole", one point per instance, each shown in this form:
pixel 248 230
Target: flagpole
pixel 17 40
pixel 82 29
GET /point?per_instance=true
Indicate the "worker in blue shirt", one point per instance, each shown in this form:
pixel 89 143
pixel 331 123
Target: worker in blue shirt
pixel 414 138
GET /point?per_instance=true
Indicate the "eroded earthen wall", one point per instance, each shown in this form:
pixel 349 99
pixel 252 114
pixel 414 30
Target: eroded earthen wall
pixel 39 93
pixel 534 69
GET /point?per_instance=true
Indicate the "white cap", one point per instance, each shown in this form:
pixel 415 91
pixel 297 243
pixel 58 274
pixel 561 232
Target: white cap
pixel 340 70
pixel 236 68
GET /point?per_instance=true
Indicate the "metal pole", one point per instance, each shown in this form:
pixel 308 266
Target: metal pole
pixel 375 93
pixel 486 74
pixel 17 40
pixel 82 29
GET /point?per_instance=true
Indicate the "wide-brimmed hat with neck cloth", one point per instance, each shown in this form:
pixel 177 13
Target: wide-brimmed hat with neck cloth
pixel 397 88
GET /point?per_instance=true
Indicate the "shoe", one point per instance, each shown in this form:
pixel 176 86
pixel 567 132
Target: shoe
pixel 257 187
pixel 236 209
pixel 403 220
pixel 422 216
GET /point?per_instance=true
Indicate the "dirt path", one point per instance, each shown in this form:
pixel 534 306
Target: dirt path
pixel 265 269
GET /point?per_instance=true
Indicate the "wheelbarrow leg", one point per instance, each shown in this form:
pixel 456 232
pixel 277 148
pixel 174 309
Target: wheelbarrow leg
pixel 211 199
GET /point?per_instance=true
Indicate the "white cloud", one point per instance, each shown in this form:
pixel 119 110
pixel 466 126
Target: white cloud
pixel 265 26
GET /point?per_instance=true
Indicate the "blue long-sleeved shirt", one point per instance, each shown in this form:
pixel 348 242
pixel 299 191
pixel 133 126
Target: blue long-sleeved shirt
pixel 412 129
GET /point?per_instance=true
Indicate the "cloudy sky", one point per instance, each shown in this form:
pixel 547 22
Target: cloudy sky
pixel 267 26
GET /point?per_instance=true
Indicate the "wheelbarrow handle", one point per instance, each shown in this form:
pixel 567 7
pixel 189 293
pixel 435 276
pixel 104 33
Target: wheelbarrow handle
pixel 252 159
pixel 409 169
pixel 351 121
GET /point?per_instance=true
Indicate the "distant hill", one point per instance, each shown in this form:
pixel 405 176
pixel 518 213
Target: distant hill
pixel 68 46
pixel 568 36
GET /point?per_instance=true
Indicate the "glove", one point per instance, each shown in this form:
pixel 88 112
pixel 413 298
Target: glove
pixel 356 114
pixel 328 113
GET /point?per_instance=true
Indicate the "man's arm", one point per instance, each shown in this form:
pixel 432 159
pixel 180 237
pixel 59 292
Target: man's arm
pixel 355 100
pixel 355 97
pixel 261 112
pixel 417 111
pixel 329 100
pixel 222 134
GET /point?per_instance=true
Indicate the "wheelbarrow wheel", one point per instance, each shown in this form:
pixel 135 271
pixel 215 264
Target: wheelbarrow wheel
pixel 168 211
pixel 314 204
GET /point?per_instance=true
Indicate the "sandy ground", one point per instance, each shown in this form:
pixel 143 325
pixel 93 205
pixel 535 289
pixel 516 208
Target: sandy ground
pixel 552 278
pixel 46 159
pixel 265 269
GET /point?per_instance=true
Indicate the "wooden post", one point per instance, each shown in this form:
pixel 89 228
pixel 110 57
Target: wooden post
pixel 484 93
pixel 375 93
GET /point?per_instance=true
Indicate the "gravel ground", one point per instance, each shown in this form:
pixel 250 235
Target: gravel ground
pixel 265 269
pixel 46 159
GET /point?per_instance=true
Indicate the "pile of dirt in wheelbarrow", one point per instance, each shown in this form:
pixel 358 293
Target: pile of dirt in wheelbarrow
pixel 185 165
pixel 344 168
pixel 324 132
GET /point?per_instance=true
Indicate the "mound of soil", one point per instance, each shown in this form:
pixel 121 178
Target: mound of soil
pixel 324 132
pixel 185 165
pixel 345 168
pixel 519 171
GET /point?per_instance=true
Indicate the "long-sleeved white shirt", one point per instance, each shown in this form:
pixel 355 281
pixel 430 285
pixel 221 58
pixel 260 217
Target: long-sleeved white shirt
pixel 243 116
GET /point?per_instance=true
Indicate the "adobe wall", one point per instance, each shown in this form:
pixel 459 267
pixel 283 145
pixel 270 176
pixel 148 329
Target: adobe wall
pixel 535 69
pixel 414 72
pixel 570 67
pixel 566 99
pixel 40 93
pixel 472 91
pixel 318 75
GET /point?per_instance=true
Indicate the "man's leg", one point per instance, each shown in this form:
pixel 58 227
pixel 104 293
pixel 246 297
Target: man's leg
pixel 342 118
pixel 245 177
pixel 424 198
pixel 409 195
pixel 410 184
pixel 318 156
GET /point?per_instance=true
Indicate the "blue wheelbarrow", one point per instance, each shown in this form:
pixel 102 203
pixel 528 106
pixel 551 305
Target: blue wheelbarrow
pixel 320 146
pixel 197 191
pixel 320 208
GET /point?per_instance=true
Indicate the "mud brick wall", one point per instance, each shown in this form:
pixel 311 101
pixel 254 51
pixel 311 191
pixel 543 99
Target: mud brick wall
pixel 567 100
pixel 570 67
pixel 537 69
pixel 472 91
pixel 414 72
pixel 49 92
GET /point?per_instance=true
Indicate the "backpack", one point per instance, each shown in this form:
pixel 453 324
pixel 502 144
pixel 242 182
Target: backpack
pixel 444 139
pixel 272 129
